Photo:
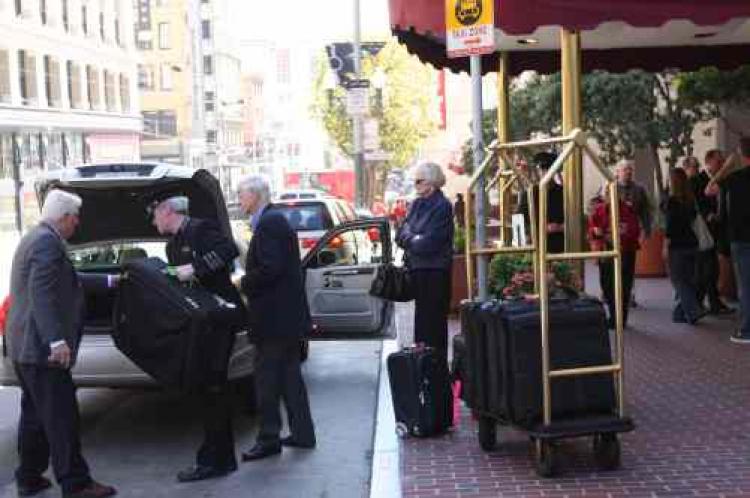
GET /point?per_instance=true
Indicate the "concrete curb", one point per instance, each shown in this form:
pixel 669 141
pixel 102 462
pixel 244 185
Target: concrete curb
pixel 385 480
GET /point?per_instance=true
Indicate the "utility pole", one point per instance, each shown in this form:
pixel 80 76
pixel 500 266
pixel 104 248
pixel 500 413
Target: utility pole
pixel 359 175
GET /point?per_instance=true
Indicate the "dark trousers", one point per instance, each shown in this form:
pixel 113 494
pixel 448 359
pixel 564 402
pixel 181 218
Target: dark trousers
pixel 682 275
pixel 707 277
pixel 49 427
pixel 607 283
pixel 432 296
pixel 217 449
pixel 279 378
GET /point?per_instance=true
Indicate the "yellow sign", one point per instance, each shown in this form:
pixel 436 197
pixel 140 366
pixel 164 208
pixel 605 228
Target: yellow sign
pixel 469 27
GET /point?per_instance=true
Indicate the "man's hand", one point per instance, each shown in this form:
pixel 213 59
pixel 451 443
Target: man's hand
pixel 712 189
pixel 185 272
pixel 60 356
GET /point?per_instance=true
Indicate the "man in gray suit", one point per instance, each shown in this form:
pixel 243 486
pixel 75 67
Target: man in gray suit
pixel 43 333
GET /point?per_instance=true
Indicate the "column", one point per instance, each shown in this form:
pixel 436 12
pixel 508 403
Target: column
pixel 503 136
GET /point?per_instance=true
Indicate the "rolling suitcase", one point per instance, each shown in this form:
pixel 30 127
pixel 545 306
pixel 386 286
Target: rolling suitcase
pixel 421 390
pixel 181 336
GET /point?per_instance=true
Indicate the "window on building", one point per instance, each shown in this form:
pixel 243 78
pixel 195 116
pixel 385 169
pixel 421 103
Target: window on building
pixel 160 124
pixel 43 11
pixel 145 77
pixel 101 26
pixel 27 77
pixel 166 77
pixel 206 29
pixel 208 64
pixel 92 76
pixel 74 84
pixel 4 77
pixel 65 19
pixel 163 35
pixel 125 93
pixel 19 7
pixel 109 91
pixel 144 45
pixel 209 98
pixel 52 81
pixel 211 136
pixel 84 20
pixel 117 32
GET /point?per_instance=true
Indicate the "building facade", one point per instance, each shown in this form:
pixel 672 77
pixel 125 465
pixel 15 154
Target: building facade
pixel 67 93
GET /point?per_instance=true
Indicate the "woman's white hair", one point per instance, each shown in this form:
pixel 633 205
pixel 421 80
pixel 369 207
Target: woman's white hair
pixel 58 203
pixel 625 163
pixel 431 173
pixel 257 184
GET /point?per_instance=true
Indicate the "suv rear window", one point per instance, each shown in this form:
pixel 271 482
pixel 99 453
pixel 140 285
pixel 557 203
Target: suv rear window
pixel 306 216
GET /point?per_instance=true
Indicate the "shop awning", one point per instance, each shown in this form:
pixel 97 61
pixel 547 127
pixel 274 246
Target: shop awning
pixel 616 35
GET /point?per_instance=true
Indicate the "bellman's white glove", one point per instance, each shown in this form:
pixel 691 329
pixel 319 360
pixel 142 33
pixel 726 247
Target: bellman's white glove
pixel 185 272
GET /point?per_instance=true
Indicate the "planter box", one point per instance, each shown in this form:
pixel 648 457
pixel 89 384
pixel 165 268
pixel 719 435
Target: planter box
pixel 459 289
pixel 649 262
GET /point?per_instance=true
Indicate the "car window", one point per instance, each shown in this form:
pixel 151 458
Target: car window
pixel 107 255
pixel 340 212
pixel 357 246
pixel 306 216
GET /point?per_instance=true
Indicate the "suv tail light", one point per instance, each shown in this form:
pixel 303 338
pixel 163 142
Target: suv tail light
pixel 308 243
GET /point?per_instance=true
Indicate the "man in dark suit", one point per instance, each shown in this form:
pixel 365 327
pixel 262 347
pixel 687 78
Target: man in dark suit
pixel 279 317
pixel 202 252
pixel 43 333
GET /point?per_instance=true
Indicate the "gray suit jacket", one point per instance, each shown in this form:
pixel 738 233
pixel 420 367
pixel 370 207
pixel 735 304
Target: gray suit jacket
pixel 47 299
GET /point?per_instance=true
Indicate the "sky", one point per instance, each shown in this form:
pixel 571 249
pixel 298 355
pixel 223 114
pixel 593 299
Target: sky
pixel 292 22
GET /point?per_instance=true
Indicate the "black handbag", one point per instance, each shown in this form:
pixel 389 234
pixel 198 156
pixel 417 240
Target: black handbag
pixel 392 283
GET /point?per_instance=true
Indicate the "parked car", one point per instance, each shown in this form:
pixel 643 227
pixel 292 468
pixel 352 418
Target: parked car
pixel 312 218
pixel 115 228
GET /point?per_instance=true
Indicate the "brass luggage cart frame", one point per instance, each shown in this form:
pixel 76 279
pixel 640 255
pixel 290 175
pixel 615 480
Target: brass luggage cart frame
pixel 604 429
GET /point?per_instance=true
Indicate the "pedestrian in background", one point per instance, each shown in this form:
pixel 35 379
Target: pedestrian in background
pixel 458 210
pixel 635 194
pixel 555 229
pixel 682 247
pixel 707 261
pixel 735 212
pixel 600 239
pixel 279 319
pixel 427 239
pixel 43 332
pixel 200 251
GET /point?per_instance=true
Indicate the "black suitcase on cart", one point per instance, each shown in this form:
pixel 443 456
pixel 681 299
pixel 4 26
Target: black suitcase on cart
pixel 473 384
pixel 421 390
pixel 182 336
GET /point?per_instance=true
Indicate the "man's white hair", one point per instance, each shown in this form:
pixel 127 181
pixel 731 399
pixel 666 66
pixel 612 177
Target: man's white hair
pixel 58 203
pixel 431 173
pixel 625 163
pixel 257 184
pixel 178 204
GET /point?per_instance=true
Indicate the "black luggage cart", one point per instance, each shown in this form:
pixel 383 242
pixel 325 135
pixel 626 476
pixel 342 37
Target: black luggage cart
pixel 603 418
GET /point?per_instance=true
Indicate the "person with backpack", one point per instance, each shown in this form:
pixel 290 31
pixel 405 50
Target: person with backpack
pixel 600 239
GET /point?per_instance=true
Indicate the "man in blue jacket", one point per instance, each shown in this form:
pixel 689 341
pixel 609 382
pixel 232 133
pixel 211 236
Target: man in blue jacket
pixel 279 317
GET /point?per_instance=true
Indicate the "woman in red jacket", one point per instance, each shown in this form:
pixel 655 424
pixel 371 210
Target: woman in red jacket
pixel 600 239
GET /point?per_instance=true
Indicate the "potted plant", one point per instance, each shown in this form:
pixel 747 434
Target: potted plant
pixel 512 276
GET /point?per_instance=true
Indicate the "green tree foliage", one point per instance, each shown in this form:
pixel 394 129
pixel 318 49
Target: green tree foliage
pixel 406 115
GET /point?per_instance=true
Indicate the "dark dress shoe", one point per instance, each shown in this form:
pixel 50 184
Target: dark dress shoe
pixel 30 487
pixel 92 490
pixel 260 451
pixel 201 472
pixel 293 443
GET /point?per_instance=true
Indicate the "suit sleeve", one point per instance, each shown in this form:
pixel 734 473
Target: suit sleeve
pixel 272 250
pixel 439 233
pixel 46 263
pixel 220 254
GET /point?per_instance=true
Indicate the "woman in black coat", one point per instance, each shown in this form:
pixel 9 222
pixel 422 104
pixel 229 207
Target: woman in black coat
pixel 427 238
pixel 682 247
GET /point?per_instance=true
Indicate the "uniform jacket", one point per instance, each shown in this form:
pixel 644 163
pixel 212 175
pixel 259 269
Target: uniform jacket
pixel 273 281
pixel 47 297
pixel 201 243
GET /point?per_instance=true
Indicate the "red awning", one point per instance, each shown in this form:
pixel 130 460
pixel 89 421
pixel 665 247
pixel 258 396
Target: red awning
pixel 615 35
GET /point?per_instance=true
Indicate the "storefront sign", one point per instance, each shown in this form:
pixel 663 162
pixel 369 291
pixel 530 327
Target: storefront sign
pixel 470 27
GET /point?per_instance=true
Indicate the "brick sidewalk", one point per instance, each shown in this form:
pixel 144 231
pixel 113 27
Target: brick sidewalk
pixel 688 390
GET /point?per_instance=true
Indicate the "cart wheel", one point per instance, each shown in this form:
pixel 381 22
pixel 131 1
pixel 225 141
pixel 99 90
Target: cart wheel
pixel 546 464
pixel 607 451
pixel 487 433
pixel 401 430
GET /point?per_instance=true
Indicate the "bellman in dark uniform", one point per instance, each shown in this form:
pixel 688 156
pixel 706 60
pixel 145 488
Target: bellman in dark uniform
pixel 201 251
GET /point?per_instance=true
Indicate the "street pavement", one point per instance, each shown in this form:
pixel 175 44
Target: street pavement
pixel 137 440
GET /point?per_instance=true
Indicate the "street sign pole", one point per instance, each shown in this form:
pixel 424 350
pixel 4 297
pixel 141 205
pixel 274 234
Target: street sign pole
pixel 357 118
pixel 475 64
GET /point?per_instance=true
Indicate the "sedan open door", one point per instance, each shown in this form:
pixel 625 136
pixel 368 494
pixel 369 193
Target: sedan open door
pixel 339 271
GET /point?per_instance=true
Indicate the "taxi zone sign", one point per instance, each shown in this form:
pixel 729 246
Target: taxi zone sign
pixel 469 27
